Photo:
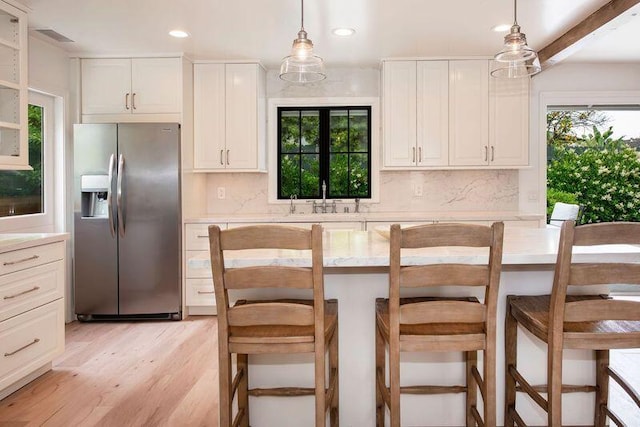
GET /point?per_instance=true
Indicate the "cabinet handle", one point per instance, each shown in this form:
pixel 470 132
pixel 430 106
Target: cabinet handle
pixel 35 288
pixel 413 156
pixel 420 154
pixel 31 258
pixel 202 236
pixel 486 153
pixel 35 341
pixel 221 152
pixel 492 152
pixel 133 101
pixel 126 101
pixel 206 292
pixel 227 157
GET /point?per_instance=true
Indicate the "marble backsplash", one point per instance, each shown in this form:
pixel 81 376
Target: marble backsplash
pixel 446 191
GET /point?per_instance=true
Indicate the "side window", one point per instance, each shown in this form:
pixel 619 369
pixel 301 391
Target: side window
pixel 328 146
pixel 21 192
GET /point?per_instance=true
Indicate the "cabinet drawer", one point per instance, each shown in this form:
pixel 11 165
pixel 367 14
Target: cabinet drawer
pixel 26 289
pixel 197 236
pixel 197 272
pixel 30 340
pixel 200 292
pixel 30 257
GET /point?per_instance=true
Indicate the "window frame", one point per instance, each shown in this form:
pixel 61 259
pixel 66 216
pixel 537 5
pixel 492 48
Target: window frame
pixel 324 147
pixel 41 221
pixel 351 102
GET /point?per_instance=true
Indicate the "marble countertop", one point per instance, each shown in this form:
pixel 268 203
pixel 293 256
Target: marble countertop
pixel 14 241
pixel 347 248
pixel 371 216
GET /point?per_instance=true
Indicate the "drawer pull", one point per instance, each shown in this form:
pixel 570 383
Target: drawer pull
pixel 35 288
pixel 35 341
pixel 31 258
pixel 206 292
pixel 203 236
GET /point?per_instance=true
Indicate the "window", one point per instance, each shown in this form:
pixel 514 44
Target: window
pixel 26 197
pixel 324 145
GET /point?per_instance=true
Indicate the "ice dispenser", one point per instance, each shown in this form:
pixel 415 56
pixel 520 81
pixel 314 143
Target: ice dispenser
pixel 94 190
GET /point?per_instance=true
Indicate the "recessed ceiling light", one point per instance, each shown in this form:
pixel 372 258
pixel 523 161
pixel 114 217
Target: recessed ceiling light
pixel 178 34
pixel 343 32
pixel 501 28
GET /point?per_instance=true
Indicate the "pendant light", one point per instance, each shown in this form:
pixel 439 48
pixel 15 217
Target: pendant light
pixel 516 58
pixel 302 66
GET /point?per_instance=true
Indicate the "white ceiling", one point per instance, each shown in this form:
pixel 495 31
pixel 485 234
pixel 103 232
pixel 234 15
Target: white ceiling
pixel 264 29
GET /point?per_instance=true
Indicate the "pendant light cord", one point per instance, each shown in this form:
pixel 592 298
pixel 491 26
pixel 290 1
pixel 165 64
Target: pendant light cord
pixel 302 15
pixel 515 12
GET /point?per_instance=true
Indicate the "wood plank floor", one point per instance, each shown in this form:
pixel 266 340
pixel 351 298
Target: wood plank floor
pixel 125 374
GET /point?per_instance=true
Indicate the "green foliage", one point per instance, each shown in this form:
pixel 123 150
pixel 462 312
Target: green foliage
pixel 562 124
pixel 554 196
pixel 27 183
pixel 604 175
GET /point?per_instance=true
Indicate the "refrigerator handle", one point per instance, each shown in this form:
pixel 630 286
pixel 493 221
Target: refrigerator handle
pixel 119 196
pixel 112 224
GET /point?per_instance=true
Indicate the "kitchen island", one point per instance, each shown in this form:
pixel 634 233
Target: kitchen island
pixel 356 274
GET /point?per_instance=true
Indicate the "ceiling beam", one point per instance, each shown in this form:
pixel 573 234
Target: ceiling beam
pixel 570 41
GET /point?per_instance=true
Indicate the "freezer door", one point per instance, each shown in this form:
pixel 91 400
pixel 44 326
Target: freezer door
pixel 148 194
pixel 95 242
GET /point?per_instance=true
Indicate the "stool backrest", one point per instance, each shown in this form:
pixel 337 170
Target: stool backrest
pixel 568 273
pixel 458 274
pixel 282 244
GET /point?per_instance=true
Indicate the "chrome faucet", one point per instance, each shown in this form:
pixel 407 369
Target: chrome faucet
pixel 292 207
pixel 357 208
pixel 324 197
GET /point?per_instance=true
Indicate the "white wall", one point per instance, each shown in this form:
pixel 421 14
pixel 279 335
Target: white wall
pixel 568 81
pixel 463 190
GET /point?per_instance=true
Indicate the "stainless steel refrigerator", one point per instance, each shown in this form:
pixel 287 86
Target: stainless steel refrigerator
pixel 127 221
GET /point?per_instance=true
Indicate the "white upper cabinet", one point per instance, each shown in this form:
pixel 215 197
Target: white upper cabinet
pixel 509 121
pixel 468 113
pixel 433 117
pixel 14 152
pixel 229 117
pixel 452 114
pixel 124 86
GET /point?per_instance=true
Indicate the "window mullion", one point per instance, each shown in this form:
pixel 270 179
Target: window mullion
pixel 325 145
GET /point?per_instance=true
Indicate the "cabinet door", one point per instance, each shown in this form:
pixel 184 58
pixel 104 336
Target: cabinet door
pixel 509 122
pixel 399 109
pixel 432 113
pixel 156 85
pixel 14 148
pixel 468 112
pixel 106 86
pixel 209 116
pixel 241 116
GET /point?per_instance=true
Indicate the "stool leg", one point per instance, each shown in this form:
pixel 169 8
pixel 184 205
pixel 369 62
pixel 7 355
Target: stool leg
pixel 224 378
pixel 489 375
pixel 394 381
pixel 380 370
pixel 243 388
pixel 511 351
pixel 602 387
pixel 554 383
pixel 334 411
pixel 472 386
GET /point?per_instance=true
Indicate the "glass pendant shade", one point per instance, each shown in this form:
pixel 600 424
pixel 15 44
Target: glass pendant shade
pixel 516 59
pixel 302 66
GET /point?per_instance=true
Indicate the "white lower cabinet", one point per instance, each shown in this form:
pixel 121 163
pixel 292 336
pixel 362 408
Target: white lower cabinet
pixel 199 294
pixel 32 312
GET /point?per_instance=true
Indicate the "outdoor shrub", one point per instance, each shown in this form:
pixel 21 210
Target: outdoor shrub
pixel 603 174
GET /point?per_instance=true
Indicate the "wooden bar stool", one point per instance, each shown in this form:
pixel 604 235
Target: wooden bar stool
pixel 562 321
pixel 273 326
pixel 437 323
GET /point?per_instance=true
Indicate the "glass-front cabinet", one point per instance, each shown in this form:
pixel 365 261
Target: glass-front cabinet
pixel 13 88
